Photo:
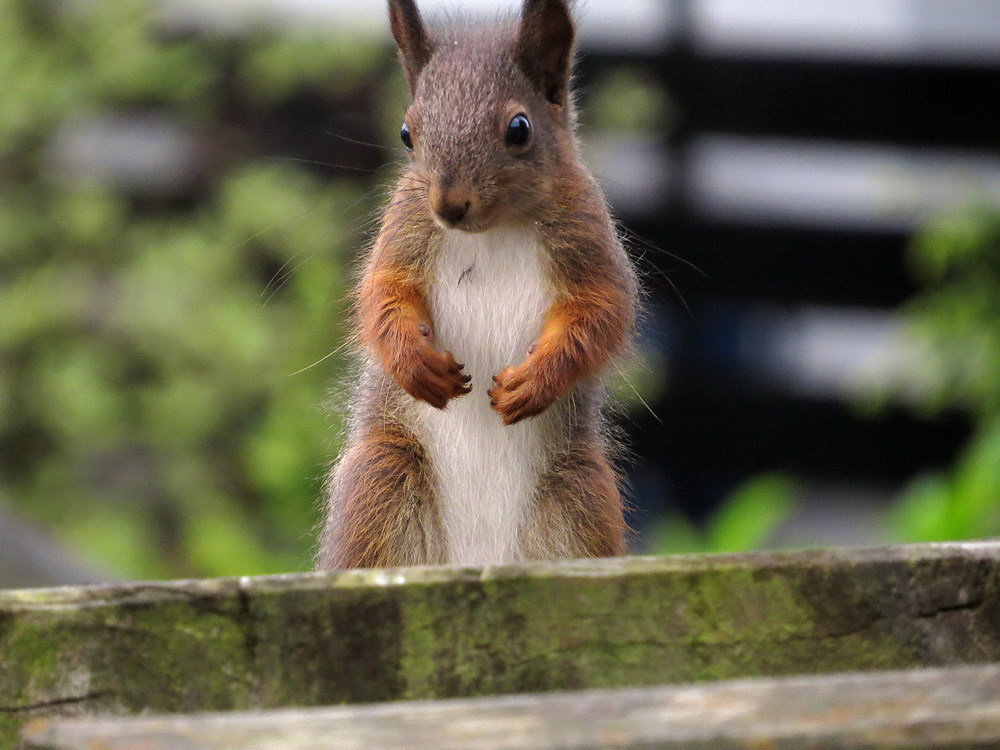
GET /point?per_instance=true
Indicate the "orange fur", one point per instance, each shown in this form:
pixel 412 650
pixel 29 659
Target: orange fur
pixel 396 325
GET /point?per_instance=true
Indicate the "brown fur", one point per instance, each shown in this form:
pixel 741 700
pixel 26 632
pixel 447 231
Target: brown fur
pixel 389 516
pixel 579 511
pixel 466 88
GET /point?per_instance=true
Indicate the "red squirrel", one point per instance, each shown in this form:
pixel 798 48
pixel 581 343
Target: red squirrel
pixel 493 300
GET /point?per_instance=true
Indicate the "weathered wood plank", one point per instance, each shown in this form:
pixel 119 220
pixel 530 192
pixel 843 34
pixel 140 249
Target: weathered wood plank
pixel 952 708
pixel 366 636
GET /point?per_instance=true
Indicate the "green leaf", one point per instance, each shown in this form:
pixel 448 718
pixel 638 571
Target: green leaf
pixel 752 513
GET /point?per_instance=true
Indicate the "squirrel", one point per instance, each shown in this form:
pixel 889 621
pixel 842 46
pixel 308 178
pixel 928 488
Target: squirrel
pixel 494 297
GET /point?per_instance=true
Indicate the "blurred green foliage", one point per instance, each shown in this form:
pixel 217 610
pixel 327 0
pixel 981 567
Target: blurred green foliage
pixel 151 408
pixel 956 320
pixel 744 522
pixel 955 325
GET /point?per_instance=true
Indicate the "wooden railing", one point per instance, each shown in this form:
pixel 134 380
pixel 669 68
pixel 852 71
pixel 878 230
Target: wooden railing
pixel 429 633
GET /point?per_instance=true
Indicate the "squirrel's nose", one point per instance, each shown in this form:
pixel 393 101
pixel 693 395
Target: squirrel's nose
pixel 453 212
pixel 451 204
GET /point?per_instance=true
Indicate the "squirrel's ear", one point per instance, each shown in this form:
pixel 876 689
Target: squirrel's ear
pixel 415 46
pixel 545 46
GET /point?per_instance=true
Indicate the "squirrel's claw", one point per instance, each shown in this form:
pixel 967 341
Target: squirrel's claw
pixel 434 377
pixel 516 395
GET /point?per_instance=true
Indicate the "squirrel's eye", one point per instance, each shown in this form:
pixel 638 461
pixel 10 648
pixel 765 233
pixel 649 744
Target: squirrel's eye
pixel 519 131
pixel 404 135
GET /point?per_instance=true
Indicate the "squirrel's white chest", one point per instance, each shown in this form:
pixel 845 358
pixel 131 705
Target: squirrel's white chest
pixel 488 300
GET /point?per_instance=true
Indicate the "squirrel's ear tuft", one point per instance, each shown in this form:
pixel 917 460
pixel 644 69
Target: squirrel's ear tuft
pixel 545 46
pixel 415 46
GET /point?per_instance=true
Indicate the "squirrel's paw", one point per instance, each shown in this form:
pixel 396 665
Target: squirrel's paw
pixel 434 377
pixel 516 395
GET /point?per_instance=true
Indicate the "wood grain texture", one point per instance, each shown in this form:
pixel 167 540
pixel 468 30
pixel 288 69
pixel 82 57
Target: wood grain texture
pixel 948 708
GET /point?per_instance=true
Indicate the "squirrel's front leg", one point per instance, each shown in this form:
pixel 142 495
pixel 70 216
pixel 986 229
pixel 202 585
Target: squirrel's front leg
pixel 396 325
pixel 593 313
pixel 582 331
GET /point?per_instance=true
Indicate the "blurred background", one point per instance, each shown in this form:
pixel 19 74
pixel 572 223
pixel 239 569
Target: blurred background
pixel 810 190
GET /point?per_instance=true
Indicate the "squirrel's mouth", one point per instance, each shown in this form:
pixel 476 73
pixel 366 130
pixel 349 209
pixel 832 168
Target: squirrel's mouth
pixel 472 227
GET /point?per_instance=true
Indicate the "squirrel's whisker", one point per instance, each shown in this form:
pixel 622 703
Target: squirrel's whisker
pixel 361 143
pixel 322 163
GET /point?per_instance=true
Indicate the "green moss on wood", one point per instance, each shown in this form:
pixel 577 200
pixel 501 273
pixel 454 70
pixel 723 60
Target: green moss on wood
pixel 72 651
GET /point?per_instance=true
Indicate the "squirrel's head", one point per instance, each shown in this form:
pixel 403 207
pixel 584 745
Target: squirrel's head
pixel 491 118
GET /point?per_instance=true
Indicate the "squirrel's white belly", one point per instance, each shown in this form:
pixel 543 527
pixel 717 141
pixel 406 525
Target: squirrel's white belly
pixel 488 301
